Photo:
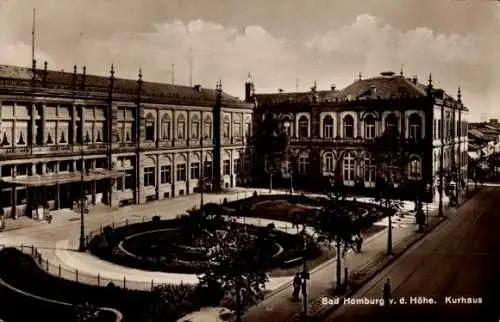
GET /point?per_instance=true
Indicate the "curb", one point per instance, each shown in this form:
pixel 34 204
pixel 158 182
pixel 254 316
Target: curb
pixel 317 268
pixel 371 274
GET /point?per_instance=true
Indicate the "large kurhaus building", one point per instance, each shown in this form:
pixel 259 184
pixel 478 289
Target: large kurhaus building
pixel 138 140
pixel 331 131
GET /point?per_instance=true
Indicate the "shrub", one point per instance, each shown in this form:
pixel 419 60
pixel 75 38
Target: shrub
pixel 108 230
pixel 156 219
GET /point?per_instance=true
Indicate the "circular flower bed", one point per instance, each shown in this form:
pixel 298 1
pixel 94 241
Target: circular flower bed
pixel 166 246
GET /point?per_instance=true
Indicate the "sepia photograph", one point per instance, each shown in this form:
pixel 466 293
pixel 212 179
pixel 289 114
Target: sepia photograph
pixel 249 161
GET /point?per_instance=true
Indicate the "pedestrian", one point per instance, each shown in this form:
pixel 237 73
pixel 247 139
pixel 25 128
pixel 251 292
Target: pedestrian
pixel 359 243
pixel 296 286
pixel 387 293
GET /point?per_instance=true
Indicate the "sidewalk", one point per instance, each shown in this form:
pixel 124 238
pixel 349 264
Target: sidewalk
pixel 279 305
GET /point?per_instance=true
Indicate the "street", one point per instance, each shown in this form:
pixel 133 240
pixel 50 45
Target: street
pixel 457 263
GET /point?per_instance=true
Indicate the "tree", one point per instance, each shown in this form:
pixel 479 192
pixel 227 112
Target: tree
pixel 236 267
pixel 271 144
pixel 336 224
pixel 198 222
pixel 390 160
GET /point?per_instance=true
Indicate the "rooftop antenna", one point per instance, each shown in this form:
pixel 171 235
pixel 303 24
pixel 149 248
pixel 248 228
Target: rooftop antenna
pixel 401 72
pixel 190 67
pixel 173 74
pixel 33 37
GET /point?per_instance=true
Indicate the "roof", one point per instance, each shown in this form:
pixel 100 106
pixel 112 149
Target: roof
pixel 383 87
pixel 276 98
pixel 476 133
pixel 94 83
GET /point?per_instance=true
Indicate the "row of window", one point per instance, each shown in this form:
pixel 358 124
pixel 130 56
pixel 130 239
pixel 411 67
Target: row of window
pixel 348 128
pixel 195 172
pixel 449 129
pixel 461 158
pixel 349 166
pixel 196 125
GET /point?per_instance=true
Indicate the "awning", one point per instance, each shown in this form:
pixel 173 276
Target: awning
pixel 61 178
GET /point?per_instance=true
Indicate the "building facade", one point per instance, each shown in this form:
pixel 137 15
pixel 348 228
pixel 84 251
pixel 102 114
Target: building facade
pixel 332 131
pixel 135 141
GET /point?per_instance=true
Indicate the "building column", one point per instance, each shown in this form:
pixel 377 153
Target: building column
pixel 159 194
pixel 114 201
pixel 188 172
pixel 14 200
pixel 140 185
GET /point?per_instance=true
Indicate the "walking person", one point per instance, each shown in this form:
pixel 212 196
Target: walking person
pixel 387 293
pixel 297 281
pixel 359 243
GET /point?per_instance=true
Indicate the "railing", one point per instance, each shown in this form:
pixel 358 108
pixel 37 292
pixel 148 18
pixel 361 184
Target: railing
pixel 78 276
pixel 332 140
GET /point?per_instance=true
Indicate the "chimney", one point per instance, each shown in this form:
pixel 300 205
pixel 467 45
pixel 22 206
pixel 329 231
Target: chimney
pixel 373 89
pixel 249 89
pixel 332 87
pixel 197 88
pixel 44 74
pixel 414 79
pixel 84 77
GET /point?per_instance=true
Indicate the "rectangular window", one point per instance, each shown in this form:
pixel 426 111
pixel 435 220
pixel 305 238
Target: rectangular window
pixel 207 130
pixel 237 166
pixel 237 130
pixel 207 169
pixel 303 165
pixel 195 130
pixel 128 179
pixel 181 172
pixel 149 177
pixel 195 171
pixel 226 129
pixel 149 131
pixel 166 174
pixel 226 165
pixel 439 130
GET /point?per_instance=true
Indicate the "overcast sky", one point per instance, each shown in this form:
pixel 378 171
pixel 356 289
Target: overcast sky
pixel 278 41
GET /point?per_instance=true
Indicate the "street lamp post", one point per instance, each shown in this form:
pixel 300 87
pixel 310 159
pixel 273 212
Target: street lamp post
pixel 305 273
pixel 83 198
pixel 201 181
pixel 389 231
pixel 291 182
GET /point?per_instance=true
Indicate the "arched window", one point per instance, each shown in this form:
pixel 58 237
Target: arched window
pixel 369 127
pixel 415 167
pixel 348 127
pixel 328 127
pixel 391 123
pixel 369 170
pixel 415 126
pixel 226 127
pixel 303 127
pixel 150 128
pixel 286 168
pixel 165 127
pixel 286 126
pixel 207 128
pixel 349 167
pixel 303 163
pixel 195 127
pixel 328 163
pixel 181 127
